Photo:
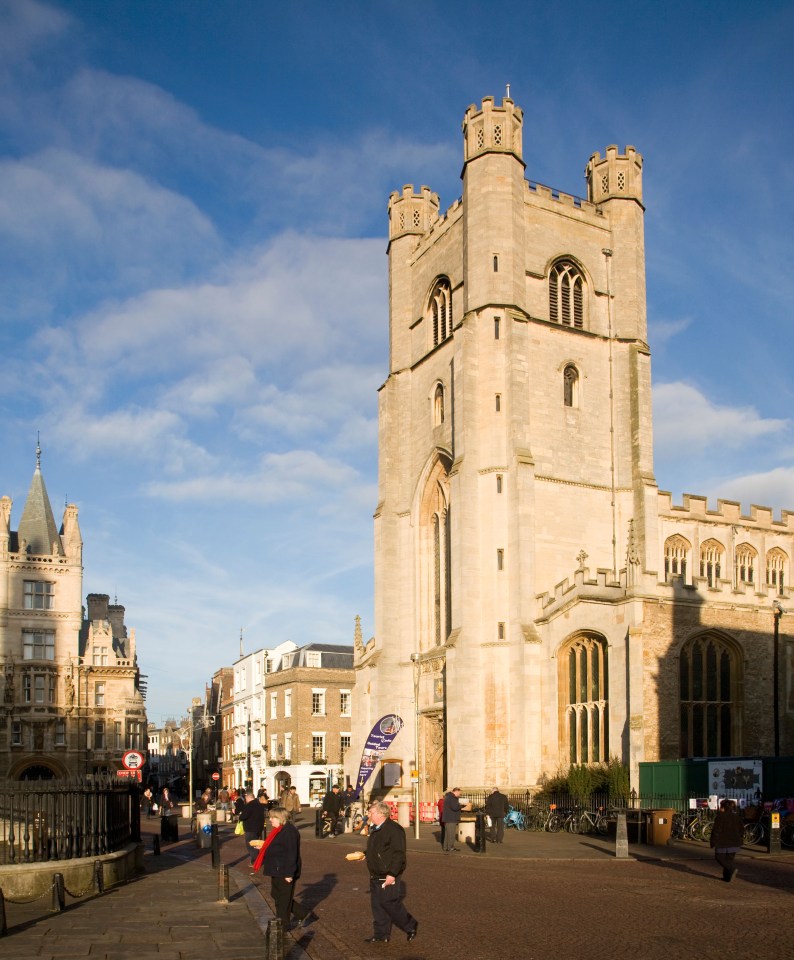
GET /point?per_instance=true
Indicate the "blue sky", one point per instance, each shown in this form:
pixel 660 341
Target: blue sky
pixel 193 306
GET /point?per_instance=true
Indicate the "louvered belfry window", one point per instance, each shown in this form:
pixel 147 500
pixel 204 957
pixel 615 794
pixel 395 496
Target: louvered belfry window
pixel 566 294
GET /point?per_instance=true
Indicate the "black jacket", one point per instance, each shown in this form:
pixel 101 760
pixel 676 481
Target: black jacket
pixel 497 805
pixel 283 855
pixel 253 817
pixel 386 849
pixel 333 803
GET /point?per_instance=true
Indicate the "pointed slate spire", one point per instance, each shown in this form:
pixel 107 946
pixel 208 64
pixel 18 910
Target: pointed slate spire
pixel 37 526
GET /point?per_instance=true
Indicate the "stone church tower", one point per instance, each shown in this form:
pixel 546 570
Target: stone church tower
pixel 519 534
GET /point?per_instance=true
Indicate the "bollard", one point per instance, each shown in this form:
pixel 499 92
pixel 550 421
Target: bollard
pixel 318 823
pixel 156 846
pixel 58 893
pixel 621 838
pixel 99 877
pixel 773 834
pixel 480 844
pixel 223 884
pixel 215 847
pixel 3 924
pixel 274 940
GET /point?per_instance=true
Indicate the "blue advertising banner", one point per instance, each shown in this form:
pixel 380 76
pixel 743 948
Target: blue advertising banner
pixel 378 742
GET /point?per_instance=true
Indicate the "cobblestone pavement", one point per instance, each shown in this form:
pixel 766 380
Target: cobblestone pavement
pixel 536 897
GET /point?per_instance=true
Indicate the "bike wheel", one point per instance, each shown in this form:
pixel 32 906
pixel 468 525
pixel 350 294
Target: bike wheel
pixel 787 835
pixel 554 823
pixel 694 829
pixel 753 833
pixel 602 825
pixel 573 824
pixel 705 830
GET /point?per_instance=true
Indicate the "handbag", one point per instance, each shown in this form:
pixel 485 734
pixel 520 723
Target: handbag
pixel 155 808
pixel 239 829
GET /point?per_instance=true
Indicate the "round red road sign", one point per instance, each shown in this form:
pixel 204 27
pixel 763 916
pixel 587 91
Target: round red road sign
pixel 216 776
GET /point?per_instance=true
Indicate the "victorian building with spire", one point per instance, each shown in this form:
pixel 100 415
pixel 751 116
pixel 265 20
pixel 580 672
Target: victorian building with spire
pixel 72 698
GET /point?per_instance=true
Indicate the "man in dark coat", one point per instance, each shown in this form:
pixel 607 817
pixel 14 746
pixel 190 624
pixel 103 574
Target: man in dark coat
pixel 450 817
pixel 497 808
pixel 386 862
pixel 252 818
pixel 332 806
pixel 727 836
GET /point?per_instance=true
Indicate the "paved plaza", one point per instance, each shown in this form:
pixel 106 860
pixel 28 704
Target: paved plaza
pixel 536 897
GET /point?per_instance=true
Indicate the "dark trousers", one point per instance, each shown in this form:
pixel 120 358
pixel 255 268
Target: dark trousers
pixel 388 908
pixel 727 860
pixel 253 852
pixel 283 894
pixel 497 829
pixel 450 836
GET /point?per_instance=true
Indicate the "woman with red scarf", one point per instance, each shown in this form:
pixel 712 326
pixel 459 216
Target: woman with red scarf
pixel 280 859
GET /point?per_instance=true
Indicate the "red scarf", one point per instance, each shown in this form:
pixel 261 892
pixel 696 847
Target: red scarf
pixel 260 857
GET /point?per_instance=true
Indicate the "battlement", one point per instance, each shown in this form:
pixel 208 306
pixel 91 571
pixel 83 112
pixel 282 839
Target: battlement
pixel 615 176
pixel 695 507
pixel 490 129
pixel 412 213
pixel 567 199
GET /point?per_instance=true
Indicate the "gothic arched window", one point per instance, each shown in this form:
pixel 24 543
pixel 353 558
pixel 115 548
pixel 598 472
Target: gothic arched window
pixel 711 561
pixel 745 559
pixel 570 386
pixel 439 310
pixel 676 552
pixel 566 294
pixel 776 561
pixel 709 692
pixel 584 685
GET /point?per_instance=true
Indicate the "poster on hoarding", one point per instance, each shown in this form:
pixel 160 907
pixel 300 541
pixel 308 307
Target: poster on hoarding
pixel 736 779
pixel 378 742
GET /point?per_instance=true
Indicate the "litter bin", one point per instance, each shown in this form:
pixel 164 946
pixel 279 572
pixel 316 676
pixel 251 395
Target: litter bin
pixel 466 829
pixel 660 824
pixel 204 830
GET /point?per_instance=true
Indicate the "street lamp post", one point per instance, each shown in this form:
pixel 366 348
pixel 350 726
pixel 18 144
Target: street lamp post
pixel 249 771
pixel 416 667
pixel 777 612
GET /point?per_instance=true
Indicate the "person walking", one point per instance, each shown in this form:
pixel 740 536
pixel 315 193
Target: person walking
pixel 727 836
pixel 280 859
pixel 386 862
pixel 252 818
pixel 291 802
pixel 497 808
pixel 450 817
pixel 332 807
pixel 148 800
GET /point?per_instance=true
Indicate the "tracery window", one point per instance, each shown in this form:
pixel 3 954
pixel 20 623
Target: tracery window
pixel 776 562
pixel 709 691
pixel 566 294
pixel 744 564
pixel 584 684
pixel 570 386
pixel 440 310
pixel 676 552
pixel 711 561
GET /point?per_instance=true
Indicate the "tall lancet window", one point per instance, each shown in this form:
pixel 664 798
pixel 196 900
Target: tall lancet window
pixel 434 560
pixel 439 310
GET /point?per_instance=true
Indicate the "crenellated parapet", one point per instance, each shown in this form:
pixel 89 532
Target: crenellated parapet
pixel 492 129
pixel 412 213
pixel 695 507
pixel 615 176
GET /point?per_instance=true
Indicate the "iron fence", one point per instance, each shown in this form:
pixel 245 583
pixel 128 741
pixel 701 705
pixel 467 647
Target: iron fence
pixel 526 801
pixel 62 819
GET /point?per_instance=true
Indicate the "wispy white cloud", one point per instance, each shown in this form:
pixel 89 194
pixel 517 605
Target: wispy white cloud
pixel 687 422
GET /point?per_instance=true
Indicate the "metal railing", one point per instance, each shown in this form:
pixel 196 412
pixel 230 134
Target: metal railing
pixel 63 819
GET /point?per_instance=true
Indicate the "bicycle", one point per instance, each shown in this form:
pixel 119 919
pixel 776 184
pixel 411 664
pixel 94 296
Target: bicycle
pixel 515 819
pixel 587 822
